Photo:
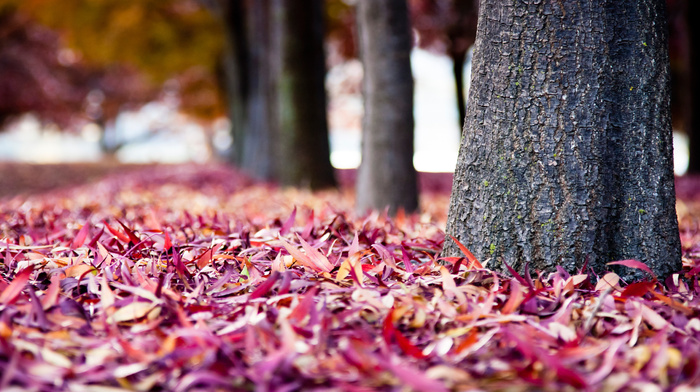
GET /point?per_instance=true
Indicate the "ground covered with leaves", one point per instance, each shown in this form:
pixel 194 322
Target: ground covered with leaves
pixel 195 278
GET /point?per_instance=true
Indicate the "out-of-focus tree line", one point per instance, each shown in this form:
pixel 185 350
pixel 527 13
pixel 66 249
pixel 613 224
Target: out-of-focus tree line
pixel 124 52
pixel 127 52
pixel 262 63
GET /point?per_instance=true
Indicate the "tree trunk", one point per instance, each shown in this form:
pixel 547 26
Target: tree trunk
pixel 250 81
pixel 692 115
pixel 567 151
pixel 304 152
pixel 386 177
pixel 458 59
pixel 460 37
pixel 234 70
pixel 275 71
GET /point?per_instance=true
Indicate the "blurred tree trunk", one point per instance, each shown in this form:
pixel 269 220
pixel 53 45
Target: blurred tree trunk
pixel 249 85
pixel 304 151
pixel 275 71
pixel 692 115
pixel 567 152
pixel 386 176
pixel 460 36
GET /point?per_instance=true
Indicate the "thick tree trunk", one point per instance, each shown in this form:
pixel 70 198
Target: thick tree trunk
pixel 386 176
pixel 304 152
pixel 692 115
pixel 567 151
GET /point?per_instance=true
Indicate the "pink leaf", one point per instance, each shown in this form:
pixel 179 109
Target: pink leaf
pixel 415 378
pixel 634 264
pixel 289 223
pixel 355 246
pixel 265 287
pixel 305 306
pixel 312 258
pixel 79 239
pixel 386 256
pixel 16 286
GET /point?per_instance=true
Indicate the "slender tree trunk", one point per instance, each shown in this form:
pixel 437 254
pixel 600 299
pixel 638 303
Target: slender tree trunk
pixel 251 86
pixel 386 176
pixel 458 59
pixel 304 149
pixel 567 151
pixel 461 35
pixel 235 70
pixel 275 68
pixel 692 116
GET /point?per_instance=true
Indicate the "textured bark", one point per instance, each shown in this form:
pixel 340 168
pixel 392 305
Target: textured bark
pixel 692 115
pixel 567 151
pixel 386 177
pixel 304 150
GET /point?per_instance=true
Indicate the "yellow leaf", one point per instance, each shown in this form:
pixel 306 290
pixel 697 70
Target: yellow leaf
pixel 132 311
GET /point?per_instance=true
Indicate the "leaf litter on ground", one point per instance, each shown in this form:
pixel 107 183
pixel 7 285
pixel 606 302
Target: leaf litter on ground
pixel 196 278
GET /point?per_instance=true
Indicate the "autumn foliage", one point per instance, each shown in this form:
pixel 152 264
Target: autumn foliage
pixel 196 278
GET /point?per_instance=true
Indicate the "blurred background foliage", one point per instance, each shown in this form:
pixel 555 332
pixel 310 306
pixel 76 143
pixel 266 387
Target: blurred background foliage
pixel 147 45
pixel 130 51
pixel 72 62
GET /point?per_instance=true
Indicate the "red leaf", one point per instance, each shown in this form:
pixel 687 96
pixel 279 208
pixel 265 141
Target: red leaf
pixel 385 255
pixel 354 246
pixel 390 333
pixel 388 327
pixel 79 239
pixel 634 264
pixel 121 236
pixel 205 259
pixel 167 244
pixel 16 286
pixel 571 377
pixel 407 346
pixel 637 289
pixel 132 236
pixel 50 297
pixel 304 308
pixel 367 267
pixel 265 287
pixel 93 241
pixel 473 262
pixel 469 341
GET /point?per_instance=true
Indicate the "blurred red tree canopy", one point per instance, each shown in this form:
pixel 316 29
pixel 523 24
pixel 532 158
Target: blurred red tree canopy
pixel 91 58
pixel 39 75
